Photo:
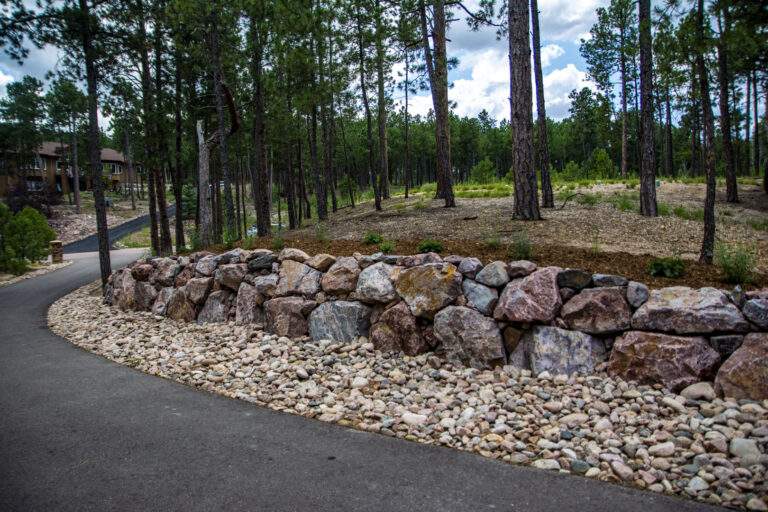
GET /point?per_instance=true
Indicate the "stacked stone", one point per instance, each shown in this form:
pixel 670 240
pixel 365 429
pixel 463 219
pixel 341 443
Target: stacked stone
pixel 561 321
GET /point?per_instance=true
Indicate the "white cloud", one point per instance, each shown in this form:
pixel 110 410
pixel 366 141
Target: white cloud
pixel 558 85
pixel 5 79
pixel 550 53
pixel 564 20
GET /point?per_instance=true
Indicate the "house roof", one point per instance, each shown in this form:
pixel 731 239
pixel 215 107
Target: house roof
pixel 55 149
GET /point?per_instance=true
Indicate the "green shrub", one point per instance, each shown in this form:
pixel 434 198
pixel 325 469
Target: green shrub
pixel 759 225
pixel 278 244
pixel 520 248
pixel 624 202
pixel 229 238
pixel 188 200
pixel 194 240
pixel 420 204
pixel 399 207
pixel 736 261
pixel 387 246
pixel 248 243
pixel 493 242
pixel 664 209
pixel 372 238
pixel 588 199
pixel 24 238
pixel 688 214
pixel 430 246
pixel 322 235
pixel 671 266
pixel 483 171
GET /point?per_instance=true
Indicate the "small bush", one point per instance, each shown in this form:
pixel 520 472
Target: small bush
pixel 664 209
pixel 278 244
pixel 420 204
pixel 399 207
pixel 759 225
pixel 248 243
pixel 736 261
pixel 671 266
pixel 194 240
pixel 520 248
pixel 493 242
pixel 588 199
pixel 188 200
pixel 322 235
pixel 372 238
pixel 24 238
pixel 624 202
pixel 229 238
pixel 387 246
pixel 688 214
pixel 430 246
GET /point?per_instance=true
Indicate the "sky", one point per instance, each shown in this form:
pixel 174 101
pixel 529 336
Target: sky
pixel 481 79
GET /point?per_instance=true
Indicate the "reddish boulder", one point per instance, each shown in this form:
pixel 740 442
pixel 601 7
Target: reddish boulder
pixel 287 316
pixel 142 271
pixel 231 275
pixel 429 288
pixel 396 329
pixel 248 305
pixel 469 337
pixel 179 306
pixel 534 298
pixel 197 289
pixel 745 373
pixel 342 276
pixel 597 311
pixel 297 279
pixel 674 361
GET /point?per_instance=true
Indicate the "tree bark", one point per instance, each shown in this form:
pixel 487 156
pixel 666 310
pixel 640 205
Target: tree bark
pixel 75 166
pixel 648 160
pixel 368 121
pixel 129 163
pixel 149 136
pixel 178 178
pixel 708 242
pixel 94 150
pixel 259 175
pixel 756 116
pixel 407 156
pixel 229 207
pixel 521 118
pixel 624 136
pixel 547 198
pixel 166 245
pixel 731 187
pixel 381 106
pixel 669 162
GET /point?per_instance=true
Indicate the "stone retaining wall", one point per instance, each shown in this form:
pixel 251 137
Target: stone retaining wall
pixel 544 319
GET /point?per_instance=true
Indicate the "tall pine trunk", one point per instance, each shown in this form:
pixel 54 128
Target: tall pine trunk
pixel 521 118
pixel 708 242
pixel 668 161
pixel 178 179
pixel 648 158
pixel 76 165
pixel 205 206
pixel 94 150
pixel 732 192
pixel 259 174
pixel 367 109
pixel 547 198
pixel 166 245
pixel 407 156
pixel 381 106
pixel 624 135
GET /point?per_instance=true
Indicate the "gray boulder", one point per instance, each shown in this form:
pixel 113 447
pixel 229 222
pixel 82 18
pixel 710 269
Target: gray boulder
pixel 342 276
pixel 756 311
pixel 287 316
pixel 298 279
pixel 560 351
pixel 637 294
pixel 216 307
pixel 479 296
pixel 597 311
pixel 520 268
pixel 608 280
pixel 683 310
pixel 197 289
pixel 469 337
pixel 469 267
pixel 161 302
pixel 262 262
pixel 339 320
pixel 374 284
pixel 493 274
pixel 574 278
pixel 231 275
pixel 248 305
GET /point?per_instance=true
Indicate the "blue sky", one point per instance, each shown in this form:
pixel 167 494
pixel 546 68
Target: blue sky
pixel 480 81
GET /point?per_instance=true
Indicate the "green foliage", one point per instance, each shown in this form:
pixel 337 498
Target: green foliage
pixel 322 235
pixel 625 202
pixel 188 200
pixel 688 213
pixel 24 238
pixel 736 261
pixel 493 242
pixel 664 209
pixel 758 224
pixel 387 246
pixel 429 245
pixel 672 266
pixel 193 239
pixel 229 238
pixel 588 199
pixel 372 238
pixel 278 243
pixel 520 248
pixel 248 243
pixel 483 172
pixel 420 204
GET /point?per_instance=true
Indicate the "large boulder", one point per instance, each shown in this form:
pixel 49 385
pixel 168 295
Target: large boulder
pixel 265 285
pixel 534 298
pixel 183 277
pixel 165 272
pixel 374 284
pixel 287 316
pixel 469 267
pixel 248 305
pixel 292 254
pixel 198 288
pixel 479 296
pixel 674 361
pixel 231 275
pixel 469 337
pixel 559 351
pixel 597 311
pixel 683 310
pixel 339 320
pixel 321 262
pixel 216 308
pixel 493 274
pixel 135 295
pixel 179 306
pixel 756 311
pixel 429 288
pixel 342 276
pixel 574 278
pixel 262 262
pixel 297 279
pixel 520 268
pixel 745 373
pixel 142 271
pixel 207 265
pixel 161 302
pixel 637 294
pixel 397 329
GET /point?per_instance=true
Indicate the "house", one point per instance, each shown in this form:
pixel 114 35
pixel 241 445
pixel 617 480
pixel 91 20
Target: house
pixel 51 167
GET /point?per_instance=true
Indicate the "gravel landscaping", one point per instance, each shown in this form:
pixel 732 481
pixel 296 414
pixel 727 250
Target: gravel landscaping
pixel 690 444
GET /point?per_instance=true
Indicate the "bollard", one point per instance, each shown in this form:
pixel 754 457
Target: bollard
pixel 57 251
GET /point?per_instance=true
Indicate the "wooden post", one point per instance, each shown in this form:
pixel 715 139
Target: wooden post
pixel 57 251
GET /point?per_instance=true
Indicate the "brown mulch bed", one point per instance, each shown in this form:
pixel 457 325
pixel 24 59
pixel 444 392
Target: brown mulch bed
pixel 632 266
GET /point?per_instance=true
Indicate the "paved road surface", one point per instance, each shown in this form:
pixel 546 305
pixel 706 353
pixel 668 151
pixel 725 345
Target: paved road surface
pixel 79 433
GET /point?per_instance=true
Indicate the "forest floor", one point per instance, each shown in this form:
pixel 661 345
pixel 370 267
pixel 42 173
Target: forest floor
pixel 593 227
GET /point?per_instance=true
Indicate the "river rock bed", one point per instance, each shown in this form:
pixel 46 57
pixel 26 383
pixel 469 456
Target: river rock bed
pixel 691 444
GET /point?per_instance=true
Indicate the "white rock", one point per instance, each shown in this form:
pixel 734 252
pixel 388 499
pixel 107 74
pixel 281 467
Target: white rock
pixel 413 419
